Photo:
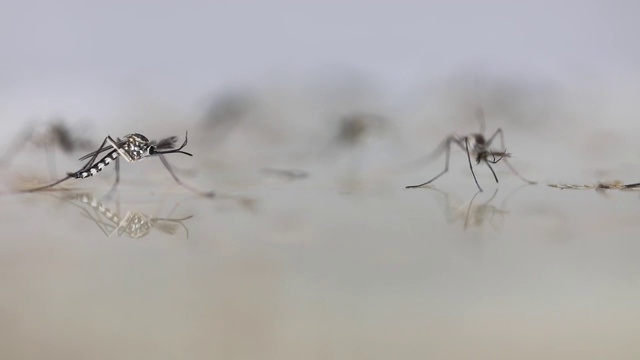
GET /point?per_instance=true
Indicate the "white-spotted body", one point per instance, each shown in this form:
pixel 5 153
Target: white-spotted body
pixel 135 148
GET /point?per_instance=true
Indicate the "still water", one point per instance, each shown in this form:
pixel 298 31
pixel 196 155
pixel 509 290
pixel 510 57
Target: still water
pixel 316 266
pixel 314 249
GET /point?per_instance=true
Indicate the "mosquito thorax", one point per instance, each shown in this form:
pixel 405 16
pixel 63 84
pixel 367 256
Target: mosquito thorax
pixel 136 146
pixel 479 139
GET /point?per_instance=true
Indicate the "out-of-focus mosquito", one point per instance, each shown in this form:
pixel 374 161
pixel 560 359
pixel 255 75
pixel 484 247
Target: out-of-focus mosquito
pixel 134 224
pixel 478 147
pixel 356 127
pixel 132 147
pixel 49 136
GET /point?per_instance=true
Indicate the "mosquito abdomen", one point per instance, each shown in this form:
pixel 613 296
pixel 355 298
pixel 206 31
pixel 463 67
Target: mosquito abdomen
pixel 97 167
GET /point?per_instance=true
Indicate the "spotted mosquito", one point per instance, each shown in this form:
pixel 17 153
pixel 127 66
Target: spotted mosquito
pixel 478 147
pixel 132 147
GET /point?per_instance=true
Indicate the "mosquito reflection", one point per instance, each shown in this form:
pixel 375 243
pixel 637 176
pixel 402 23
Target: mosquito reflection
pixel 476 213
pixel 133 224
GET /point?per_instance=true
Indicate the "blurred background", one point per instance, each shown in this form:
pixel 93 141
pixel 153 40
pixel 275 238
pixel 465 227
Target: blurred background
pixel 305 117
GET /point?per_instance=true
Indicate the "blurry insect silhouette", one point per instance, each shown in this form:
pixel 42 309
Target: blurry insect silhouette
pixel 132 147
pixel 226 113
pixel 476 146
pixel 49 136
pixel 355 128
pixel 134 224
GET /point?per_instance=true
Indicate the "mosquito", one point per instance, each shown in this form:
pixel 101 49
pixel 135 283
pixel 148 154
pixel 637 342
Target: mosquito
pixel 50 135
pixel 478 147
pixel 132 148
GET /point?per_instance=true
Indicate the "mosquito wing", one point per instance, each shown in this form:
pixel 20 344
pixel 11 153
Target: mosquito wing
pixel 442 148
pixel 101 150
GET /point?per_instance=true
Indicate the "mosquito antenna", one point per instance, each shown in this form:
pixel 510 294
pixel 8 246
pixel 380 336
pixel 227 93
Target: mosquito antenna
pixel 480 118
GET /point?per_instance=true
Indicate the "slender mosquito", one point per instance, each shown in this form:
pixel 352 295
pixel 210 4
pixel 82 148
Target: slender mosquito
pixel 478 147
pixel 132 147
pixel 55 134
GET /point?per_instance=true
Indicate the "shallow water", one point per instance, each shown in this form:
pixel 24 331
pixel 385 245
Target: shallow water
pixel 313 248
pixel 320 267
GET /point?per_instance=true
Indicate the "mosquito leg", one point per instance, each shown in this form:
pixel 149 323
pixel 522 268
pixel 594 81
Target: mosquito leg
pixel 120 150
pixel 95 156
pixel 115 183
pixel 71 175
pixel 493 172
pixel 117 172
pixel 466 143
pixel 50 185
pixel 446 165
pixel 175 177
pixel 513 170
pixel 492 137
pixel 491 198
pixel 466 218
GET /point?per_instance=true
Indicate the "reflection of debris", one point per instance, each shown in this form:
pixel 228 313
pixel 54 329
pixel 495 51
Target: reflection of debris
pixel 55 134
pixel 286 174
pixel 135 224
pixel 248 203
pixel 476 146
